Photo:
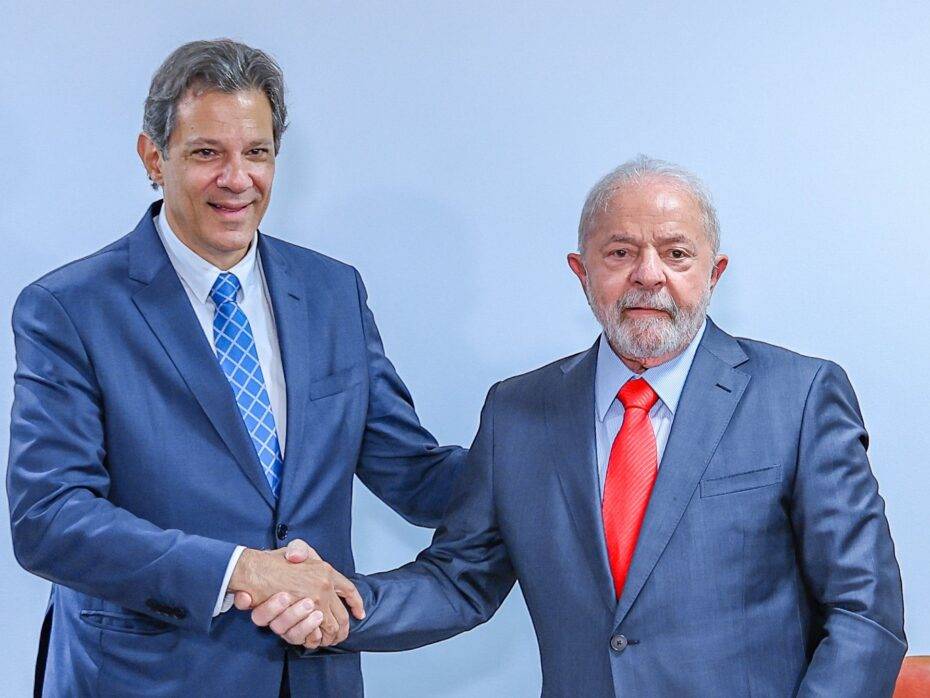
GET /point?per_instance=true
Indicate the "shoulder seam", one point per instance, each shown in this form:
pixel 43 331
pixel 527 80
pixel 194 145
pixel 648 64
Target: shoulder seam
pixel 105 251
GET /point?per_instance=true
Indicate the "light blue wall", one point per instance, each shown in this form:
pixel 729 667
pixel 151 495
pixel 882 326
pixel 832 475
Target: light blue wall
pixel 445 149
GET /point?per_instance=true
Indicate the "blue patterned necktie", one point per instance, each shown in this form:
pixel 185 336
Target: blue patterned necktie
pixel 235 350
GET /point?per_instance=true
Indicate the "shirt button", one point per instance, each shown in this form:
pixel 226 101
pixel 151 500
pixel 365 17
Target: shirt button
pixel 281 531
pixel 618 643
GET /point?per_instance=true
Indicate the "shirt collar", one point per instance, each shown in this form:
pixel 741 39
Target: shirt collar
pixel 668 379
pixel 198 273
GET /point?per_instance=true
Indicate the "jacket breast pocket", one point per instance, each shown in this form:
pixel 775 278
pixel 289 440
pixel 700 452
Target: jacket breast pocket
pixel 337 382
pixel 741 482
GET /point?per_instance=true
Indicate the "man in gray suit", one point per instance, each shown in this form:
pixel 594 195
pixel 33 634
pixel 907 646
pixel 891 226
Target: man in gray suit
pixel 688 513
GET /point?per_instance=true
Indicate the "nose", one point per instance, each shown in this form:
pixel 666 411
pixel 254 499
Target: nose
pixel 234 175
pixel 648 272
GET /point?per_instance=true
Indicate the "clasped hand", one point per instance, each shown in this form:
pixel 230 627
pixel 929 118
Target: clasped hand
pixel 297 594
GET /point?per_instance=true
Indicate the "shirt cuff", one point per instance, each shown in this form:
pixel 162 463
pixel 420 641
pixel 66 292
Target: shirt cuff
pixel 225 600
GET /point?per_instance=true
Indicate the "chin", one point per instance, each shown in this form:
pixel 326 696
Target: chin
pixel 232 240
pixel 645 338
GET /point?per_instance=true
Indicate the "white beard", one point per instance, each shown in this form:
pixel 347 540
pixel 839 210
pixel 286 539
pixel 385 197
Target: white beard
pixel 650 337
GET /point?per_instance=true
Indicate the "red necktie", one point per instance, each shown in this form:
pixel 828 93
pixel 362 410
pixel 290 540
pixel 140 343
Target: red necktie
pixel 631 473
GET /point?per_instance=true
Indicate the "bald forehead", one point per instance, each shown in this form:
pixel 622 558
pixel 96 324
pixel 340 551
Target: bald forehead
pixel 658 206
pixel 654 198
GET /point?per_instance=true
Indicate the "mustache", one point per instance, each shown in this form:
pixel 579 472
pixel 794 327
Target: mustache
pixel 654 300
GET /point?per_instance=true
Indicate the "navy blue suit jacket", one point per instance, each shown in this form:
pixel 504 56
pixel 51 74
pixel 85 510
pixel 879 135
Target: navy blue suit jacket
pixel 764 566
pixel 132 477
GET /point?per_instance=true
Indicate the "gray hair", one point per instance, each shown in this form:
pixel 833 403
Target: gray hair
pixel 222 65
pixel 638 171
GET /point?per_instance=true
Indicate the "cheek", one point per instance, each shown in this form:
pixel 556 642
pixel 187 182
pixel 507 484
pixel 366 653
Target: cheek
pixel 609 288
pixel 262 177
pixel 686 290
pixel 199 186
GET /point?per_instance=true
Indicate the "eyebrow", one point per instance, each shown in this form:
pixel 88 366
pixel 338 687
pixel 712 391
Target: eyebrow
pixel 674 237
pixel 214 142
pixel 621 237
pixel 667 239
pixel 201 141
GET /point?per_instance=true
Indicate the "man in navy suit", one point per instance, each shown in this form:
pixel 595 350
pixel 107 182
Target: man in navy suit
pixel 192 397
pixel 688 513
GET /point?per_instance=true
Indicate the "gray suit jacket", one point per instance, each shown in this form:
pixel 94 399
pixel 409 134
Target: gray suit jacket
pixel 764 566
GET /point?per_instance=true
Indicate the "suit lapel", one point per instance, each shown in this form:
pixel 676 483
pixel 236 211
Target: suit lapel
pixel 710 395
pixel 292 323
pixel 570 427
pixel 166 308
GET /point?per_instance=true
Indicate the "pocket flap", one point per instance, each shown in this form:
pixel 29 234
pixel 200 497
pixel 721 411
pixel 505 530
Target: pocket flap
pixel 127 622
pixel 740 482
pixel 335 383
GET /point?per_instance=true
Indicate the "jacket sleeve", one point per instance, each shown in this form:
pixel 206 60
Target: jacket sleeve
pixel 456 583
pixel 63 526
pixel 400 461
pixel 845 548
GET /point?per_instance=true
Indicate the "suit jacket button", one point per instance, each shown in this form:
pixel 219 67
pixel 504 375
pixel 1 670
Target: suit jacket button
pixel 281 531
pixel 618 643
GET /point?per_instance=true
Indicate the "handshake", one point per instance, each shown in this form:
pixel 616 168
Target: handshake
pixel 296 594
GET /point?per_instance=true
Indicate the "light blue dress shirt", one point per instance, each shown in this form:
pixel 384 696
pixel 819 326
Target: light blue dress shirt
pixel 667 380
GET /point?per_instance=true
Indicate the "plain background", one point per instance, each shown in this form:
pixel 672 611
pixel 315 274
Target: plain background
pixel 445 149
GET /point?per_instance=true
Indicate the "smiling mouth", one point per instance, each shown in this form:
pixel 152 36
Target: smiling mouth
pixel 235 208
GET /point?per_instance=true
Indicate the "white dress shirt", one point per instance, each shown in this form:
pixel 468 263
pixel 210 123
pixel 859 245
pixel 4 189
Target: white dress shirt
pixel 197 277
pixel 667 380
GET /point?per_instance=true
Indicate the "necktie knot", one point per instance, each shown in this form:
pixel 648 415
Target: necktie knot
pixel 637 393
pixel 225 288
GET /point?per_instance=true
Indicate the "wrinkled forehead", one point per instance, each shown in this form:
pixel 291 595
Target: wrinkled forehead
pixel 650 208
pixel 218 114
pixel 654 198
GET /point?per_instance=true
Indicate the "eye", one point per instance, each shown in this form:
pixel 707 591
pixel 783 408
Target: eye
pixel 677 254
pixel 204 152
pixel 619 253
pixel 259 152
